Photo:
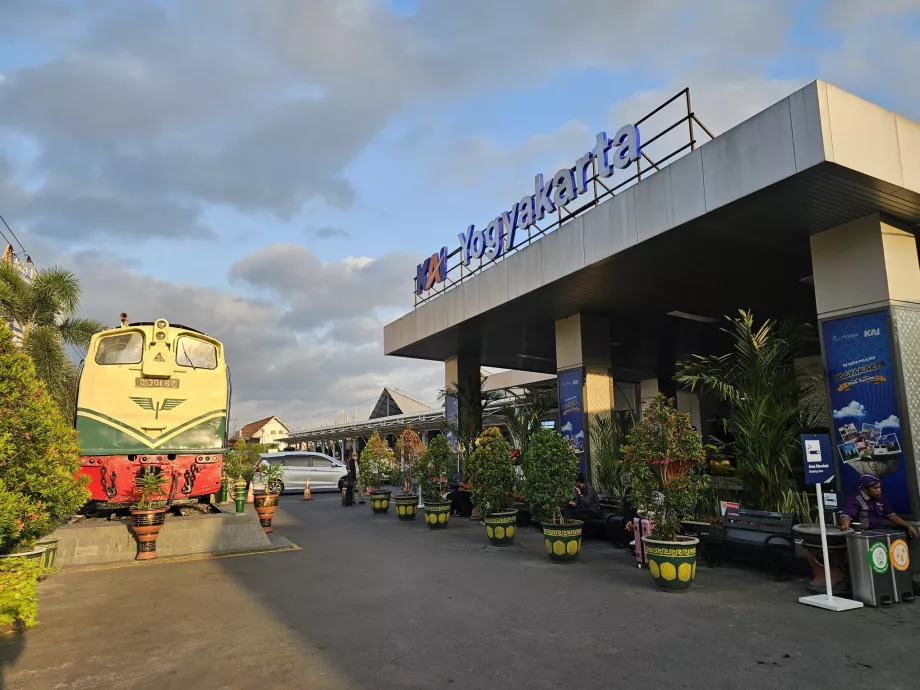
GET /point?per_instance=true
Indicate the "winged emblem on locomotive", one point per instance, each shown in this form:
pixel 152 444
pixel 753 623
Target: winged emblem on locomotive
pixel 165 406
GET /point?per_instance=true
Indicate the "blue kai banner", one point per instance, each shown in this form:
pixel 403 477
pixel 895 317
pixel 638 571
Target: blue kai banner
pixel 572 409
pixel 866 421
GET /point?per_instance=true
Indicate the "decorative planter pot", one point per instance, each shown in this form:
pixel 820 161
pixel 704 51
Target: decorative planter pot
pixel 147 525
pixel 239 496
pixel 406 506
pixel 672 563
pixel 50 546
pixel 437 514
pixel 380 501
pixel 500 527
pixel 265 505
pixel 223 495
pixel 563 542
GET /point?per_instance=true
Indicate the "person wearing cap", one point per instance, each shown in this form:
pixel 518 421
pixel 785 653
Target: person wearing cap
pixel 870 509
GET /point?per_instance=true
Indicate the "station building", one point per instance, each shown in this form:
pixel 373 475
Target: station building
pixel 807 209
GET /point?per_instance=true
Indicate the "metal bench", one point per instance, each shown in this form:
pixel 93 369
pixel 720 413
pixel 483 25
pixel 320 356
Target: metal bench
pixel 765 533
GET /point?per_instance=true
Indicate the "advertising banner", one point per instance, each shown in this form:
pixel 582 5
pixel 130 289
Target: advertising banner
pixel 819 461
pixel 572 409
pixel 865 417
pixel 450 414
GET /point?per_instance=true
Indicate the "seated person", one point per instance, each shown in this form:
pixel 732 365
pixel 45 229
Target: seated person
pixel 461 500
pixel 870 509
pixel 585 504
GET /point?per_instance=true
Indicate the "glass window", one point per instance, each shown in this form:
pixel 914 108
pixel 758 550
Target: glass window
pixel 127 348
pixel 296 462
pixel 195 353
pixel 322 462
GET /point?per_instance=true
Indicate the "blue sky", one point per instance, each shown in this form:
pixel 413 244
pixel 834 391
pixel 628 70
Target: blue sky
pixel 247 163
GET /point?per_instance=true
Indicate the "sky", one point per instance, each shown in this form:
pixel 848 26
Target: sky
pixel 271 172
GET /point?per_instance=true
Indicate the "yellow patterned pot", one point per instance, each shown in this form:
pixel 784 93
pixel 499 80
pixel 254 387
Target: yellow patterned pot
pixel 500 527
pixel 437 514
pixel 563 542
pixel 406 506
pixel 672 563
pixel 380 501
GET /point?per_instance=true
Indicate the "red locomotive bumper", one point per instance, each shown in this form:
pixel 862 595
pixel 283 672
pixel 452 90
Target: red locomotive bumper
pixel 111 477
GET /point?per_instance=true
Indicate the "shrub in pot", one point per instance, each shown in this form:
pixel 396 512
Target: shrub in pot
pixel 148 517
pixel 492 476
pixel 375 465
pixel 266 501
pixel 432 469
pixel 409 449
pixel 666 465
pixel 550 468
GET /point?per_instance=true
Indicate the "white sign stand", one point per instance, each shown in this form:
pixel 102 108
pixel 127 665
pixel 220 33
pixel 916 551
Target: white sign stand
pixel 827 601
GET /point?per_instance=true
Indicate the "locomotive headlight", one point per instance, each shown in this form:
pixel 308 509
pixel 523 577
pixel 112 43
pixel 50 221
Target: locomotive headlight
pixel 161 324
pixel 161 335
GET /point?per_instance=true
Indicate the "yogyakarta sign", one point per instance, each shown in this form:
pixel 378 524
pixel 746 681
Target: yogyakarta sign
pixel 497 238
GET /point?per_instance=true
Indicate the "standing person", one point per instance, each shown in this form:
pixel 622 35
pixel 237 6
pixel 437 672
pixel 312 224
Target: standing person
pixel 352 468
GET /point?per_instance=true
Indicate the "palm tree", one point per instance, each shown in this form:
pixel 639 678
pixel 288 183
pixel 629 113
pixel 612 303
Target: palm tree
pixel 45 309
pixel 522 419
pixel 768 397
pixel 472 401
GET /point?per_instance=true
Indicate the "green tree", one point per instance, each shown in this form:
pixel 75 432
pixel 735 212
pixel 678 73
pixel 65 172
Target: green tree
pixel 242 460
pixel 491 472
pixel 472 401
pixel 607 455
pixel 550 468
pixel 666 467
pixel 523 419
pixel 434 468
pixel 768 397
pixel 39 455
pixel 376 462
pixel 46 311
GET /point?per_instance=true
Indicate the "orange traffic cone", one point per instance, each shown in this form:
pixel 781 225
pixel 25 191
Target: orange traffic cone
pixel 307 496
pixel 249 495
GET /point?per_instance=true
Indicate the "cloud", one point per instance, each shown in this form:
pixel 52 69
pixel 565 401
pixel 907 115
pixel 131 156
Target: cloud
pixel 892 422
pixel 854 409
pixel 327 232
pixel 567 427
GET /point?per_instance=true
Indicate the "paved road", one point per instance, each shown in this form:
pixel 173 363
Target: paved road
pixel 370 602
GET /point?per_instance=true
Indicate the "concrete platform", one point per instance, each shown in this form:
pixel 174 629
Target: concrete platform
pixel 102 542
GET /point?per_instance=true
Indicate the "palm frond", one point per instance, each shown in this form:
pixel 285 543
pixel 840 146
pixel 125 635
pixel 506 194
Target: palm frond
pixel 78 331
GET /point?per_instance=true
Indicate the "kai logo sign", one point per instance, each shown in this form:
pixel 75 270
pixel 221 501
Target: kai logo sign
pixel 156 408
pixel 871 332
pixel 497 237
pixel 431 271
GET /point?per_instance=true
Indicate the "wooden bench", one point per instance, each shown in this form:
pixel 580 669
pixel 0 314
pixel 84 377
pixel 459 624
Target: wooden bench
pixel 763 532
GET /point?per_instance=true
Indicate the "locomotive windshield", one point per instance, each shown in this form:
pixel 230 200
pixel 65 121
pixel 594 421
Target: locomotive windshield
pixel 126 348
pixel 195 353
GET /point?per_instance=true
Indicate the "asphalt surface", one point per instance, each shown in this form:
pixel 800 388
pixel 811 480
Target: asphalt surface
pixel 371 602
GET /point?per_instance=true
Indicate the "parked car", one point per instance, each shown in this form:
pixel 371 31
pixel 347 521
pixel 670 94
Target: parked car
pixel 323 471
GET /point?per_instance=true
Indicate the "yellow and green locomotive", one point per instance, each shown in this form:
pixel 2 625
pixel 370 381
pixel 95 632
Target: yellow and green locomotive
pixel 152 395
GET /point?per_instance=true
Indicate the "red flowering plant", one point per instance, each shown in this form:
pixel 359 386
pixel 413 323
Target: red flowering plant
pixel 409 448
pixel 666 465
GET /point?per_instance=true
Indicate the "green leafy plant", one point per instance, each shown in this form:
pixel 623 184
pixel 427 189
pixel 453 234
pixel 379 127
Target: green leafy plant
pixel 433 469
pixel 666 467
pixel 491 472
pixel 44 308
pixel 376 462
pixel 550 468
pixel 767 394
pixel 607 455
pixel 522 419
pixel 799 504
pixel 409 448
pixel 39 455
pixel 270 474
pixel 150 485
pixel 18 592
pixel 472 401
pixel 242 460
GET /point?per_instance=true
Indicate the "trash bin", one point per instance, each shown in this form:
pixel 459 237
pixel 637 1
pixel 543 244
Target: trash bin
pixel 870 567
pixel 899 560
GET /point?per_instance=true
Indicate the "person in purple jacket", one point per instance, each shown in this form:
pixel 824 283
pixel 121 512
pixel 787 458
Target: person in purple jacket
pixel 870 509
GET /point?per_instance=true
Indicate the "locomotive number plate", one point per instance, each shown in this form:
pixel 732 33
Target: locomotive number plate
pixel 156 383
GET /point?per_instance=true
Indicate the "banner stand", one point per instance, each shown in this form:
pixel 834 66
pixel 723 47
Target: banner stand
pixel 816 451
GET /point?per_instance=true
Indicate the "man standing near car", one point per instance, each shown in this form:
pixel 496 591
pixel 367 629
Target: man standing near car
pixel 352 467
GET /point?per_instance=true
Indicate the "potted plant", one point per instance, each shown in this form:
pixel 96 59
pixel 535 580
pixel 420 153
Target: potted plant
pixel 375 465
pixel 148 517
pixel 266 501
pixel 550 468
pixel 492 476
pixel 432 469
pixel 666 466
pixel 409 449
